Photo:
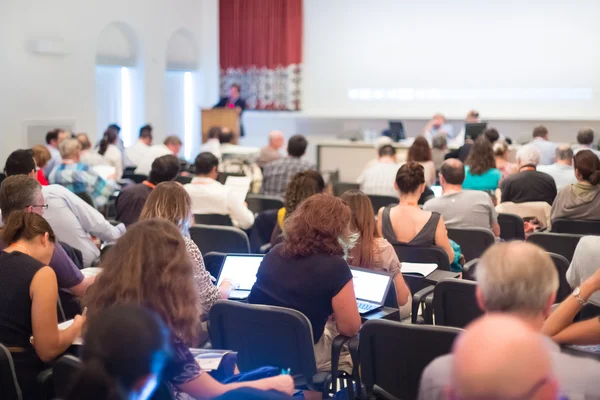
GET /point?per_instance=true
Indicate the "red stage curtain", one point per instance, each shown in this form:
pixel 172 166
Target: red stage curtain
pixel 261 49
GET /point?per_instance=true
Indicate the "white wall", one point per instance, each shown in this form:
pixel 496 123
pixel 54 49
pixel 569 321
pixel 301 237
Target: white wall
pixel 63 87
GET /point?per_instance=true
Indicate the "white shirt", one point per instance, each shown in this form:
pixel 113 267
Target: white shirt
pixel 212 146
pixel 249 153
pixel 379 178
pixel 563 175
pixel 211 197
pixel 73 221
pixel 547 150
pixel 136 153
pixel 114 158
pixel 582 147
pixel 145 164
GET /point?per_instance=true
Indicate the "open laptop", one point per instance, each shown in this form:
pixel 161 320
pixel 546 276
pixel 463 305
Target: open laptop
pixel 242 269
pixel 474 130
pixel 371 288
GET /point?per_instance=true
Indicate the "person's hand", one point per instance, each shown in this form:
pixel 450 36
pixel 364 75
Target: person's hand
pixel 281 383
pixel 112 177
pixel 232 284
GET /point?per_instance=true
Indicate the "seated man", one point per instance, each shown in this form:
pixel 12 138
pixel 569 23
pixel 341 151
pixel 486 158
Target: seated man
pixel 71 218
pixel 211 197
pixel 212 144
pixel 231 149
pixel 438 125
pixel 136 153
pixel 585 141
pixel 171 145
pixel 562 170
pixel 379 178
pixel 21 192
pixel 271 152
pixel 53 139
pixel 439 149
pixel 546 148
pixel 462 208
pixel 78 177
pixel 239 160
pixel 519 279
pixel 528 184
pixel 131 200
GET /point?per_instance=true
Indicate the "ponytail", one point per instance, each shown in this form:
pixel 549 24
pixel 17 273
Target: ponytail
pixel 595 177
pixel 94 383
pixel 110 137
pixel 103 146
pixel 588 165
pixel 25 225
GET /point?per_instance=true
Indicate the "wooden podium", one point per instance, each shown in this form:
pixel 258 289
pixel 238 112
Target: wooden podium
pixel 222 117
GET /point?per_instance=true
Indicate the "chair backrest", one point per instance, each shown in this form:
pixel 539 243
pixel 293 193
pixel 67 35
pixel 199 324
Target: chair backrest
pixel 287 343
pixel 576 226
pixel 472 241
pixel 432 254
pixel 9 386
pixel 65 370
pixel 258 203
pixel 262 230
pixel 538 209
pixel 454 303
pixel 589 311
pixel 213 262
pixel 562 265
pixel 340 187
pixel 559 243
pixel 382 201
pixel 393 355
pixel 223 239
pixel 137 178
pixel 511 227
pixel 184 180
pixel 213 219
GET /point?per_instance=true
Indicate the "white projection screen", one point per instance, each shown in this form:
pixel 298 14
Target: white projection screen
pixel 411 58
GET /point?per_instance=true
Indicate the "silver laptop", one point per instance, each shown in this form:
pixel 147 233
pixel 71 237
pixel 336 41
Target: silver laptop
pixel 242 269
pixel 371 288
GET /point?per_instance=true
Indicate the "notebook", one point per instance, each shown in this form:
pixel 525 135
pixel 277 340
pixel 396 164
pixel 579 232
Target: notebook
pixel 418 268
pixel 241 269
pixel 371 288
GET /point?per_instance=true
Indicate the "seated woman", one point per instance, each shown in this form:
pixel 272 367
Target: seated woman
pixel 582 199
pixel 371 250
pixel 480 168
pixel 28 297
pixel 42 156
pixel 149 266
pixel 307 272
pixel 406 223
pixel 420 152
pixel 110 152
pixel 125 351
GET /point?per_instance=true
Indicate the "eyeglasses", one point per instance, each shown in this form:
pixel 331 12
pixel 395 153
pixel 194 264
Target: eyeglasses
pixel 41 206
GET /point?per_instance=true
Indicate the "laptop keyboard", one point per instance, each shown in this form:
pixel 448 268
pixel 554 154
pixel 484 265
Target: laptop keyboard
pixel 364 307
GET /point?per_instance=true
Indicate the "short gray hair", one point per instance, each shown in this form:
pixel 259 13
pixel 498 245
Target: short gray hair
pixel 17 193
pixel 516 277
pixel 439 141
pixel 529 154
pixel 564 153
pixel 69 147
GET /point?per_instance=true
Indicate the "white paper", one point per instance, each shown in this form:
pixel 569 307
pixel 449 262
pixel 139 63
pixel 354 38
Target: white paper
pixel 239 186
pixel 209 359
pixel 418 268
pixel 105 171
pixel 92 271
pixel 63 326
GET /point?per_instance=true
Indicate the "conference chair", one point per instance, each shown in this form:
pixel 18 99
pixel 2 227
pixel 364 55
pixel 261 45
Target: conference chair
pixel 184 180
pixel 213 219
pixel 382 201
pixel 137 178
pixel 511 227
pixel 576 226
pixel 223 239
pixel 589 311
pixel 339 188
pixel 9 386
pixel 454 303
pixel 472 241
pixel 393 356
pixel 559 243
pixel 262 230
pixel 222 177
pixel 470 269
pixel 562 265
pixel 213 262
pixel 426 196
pixel 274 336
pixel 258 203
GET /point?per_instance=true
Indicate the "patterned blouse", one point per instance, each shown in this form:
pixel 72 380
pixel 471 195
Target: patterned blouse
pixel 208 293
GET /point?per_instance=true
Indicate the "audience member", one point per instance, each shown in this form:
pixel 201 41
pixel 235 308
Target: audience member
pixel 371 250
pixel 582 199
pixel 230 148
pixel 110 153
pixel 528 184
pixel 500 357
pixel 378 178
pixel 462 208
pixel 541 142
pixel 126 349
pixel 480 168
pixel 42 156
pixel 88 156
pixel 131 200
pixel 585 264
pixel 212 144
pixel 211 197
pixel 53 140
pixel 585 141
pixel 420 152
pixel 78 177
pixel 149 267
pixel 239 160
pixel 22 192
pixel 463 152
pixel 562 170
pixel 438 125
pixel 117 131
pixel 518 279
pixel 139 151
pixel 406 223
pixel 308 273
pixel 171 145
pixel 471 118
pixel 278 173
pixel 439 148
pixel 506 167
pixel 71 218
pixel 28 297
pixel 271 151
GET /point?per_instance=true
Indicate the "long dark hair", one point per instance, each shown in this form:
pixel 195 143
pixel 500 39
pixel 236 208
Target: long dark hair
pixel 27 226
pixel 419 151
pixel 110 137
pixel 481 157
pixel 588 165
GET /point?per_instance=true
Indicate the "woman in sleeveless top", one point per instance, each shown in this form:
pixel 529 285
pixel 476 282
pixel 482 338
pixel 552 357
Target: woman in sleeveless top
pixel 406 223
pixel 28 298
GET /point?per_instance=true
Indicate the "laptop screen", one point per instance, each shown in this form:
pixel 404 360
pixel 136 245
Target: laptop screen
pixel 437 190
pixel 370 286
pixel 240 268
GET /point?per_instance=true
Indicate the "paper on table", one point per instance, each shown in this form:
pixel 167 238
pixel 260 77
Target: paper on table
pixel 209 359
pixel 239 186
pixel 65 325
pixel 91 271
pixel 418 268
pixel 105 171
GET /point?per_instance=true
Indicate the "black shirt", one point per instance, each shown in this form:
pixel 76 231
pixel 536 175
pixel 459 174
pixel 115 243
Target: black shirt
pixel 307 284
pixel 528 185
pixel 130 202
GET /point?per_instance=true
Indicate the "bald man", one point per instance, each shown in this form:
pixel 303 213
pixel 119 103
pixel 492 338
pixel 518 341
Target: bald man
pixel 271 151
pixel 500 357
pixel 519 279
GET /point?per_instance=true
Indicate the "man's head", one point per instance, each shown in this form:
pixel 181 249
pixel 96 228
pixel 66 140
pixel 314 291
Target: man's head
pixel 439 141
pixel 499 357
pixel 21 192
pixel 540 131
pixel 387 151
pixel 207 165
pixel 528 155
pixel 214 132
pixel 518 278
pixel 472 117
pixel 585 136
pixel 276 139
pixel 146 134
pixel 297 146
pixel 165 168
pixel 452 173
pixel 438 120
pixel 20 162
pixel 563 155
pixel 234 91
pixel 225 135
pixel 173 143
pixel 70 149
pixel 84 141
pixel 55 137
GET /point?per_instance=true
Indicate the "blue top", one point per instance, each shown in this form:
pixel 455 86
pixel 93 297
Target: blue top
pixel 489 180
